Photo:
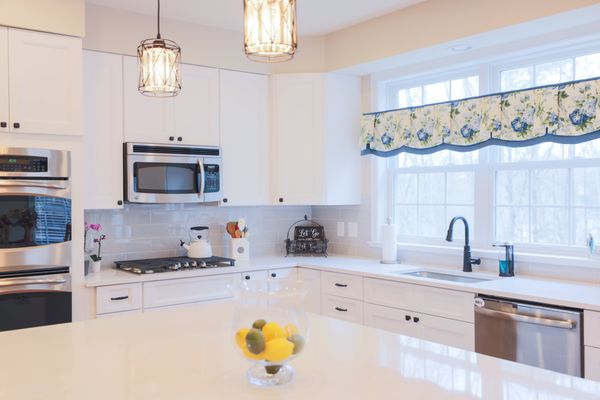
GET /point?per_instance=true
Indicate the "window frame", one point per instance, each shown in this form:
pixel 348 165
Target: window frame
pixel 489 73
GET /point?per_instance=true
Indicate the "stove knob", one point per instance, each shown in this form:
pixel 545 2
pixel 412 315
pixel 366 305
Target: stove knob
pixel 194 264
pixel 186 264
pixel 203 263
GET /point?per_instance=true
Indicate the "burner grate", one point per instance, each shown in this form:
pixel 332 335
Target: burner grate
pixel 172 264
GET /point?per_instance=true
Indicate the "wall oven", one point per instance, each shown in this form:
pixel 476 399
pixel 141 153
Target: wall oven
pixel 171 173
pixel 35 237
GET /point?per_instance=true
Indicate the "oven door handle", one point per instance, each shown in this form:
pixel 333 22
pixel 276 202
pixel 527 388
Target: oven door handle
pixel 23 282
pixel 201 176
pixel 36 184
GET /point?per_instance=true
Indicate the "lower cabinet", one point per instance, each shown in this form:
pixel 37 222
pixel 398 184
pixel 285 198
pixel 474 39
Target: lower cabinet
pixel 435 329
pixel 592 363
pixel 342 308
pixel 311 278
pixel 118 298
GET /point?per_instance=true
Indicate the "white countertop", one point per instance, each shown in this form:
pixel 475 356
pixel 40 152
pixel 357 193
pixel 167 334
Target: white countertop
pixel 563 293
pixel 189 354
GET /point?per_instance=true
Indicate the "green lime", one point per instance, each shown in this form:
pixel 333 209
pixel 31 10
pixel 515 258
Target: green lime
pixel 272 369
pixel 259 323
pixel 298 343
pixel 255 341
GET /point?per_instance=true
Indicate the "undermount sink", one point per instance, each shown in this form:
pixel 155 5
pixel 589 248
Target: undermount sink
pixel 444 277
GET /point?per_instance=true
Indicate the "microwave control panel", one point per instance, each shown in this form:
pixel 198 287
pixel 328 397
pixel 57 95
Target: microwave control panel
pixel 12 163
pixel 211 180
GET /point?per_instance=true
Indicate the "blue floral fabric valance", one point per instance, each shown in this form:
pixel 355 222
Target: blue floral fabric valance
pixel 564 113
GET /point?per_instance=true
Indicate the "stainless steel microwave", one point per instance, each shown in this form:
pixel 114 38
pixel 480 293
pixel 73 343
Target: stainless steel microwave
pixel 159 173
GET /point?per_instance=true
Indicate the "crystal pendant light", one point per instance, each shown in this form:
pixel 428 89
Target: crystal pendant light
pixel 158 66
pixel 270 30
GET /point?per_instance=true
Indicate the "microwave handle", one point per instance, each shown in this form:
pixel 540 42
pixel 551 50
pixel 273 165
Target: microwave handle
pixel 201 177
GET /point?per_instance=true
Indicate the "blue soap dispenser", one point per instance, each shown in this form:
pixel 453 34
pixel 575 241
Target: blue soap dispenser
pixel 507 266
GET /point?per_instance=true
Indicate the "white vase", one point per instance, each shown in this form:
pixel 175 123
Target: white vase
pixel 240 251
pixel 96 266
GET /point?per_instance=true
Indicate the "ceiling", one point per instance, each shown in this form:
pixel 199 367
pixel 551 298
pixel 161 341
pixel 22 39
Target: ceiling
pixel 315 17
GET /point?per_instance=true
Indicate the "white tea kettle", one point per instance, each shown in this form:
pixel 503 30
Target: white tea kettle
pixel 200 247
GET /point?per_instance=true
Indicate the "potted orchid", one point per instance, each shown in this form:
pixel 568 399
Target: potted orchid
pixel 98 239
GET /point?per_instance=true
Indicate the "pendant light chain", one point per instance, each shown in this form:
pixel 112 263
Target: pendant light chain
pixel 158 20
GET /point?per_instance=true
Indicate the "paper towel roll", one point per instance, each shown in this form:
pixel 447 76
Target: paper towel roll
pixel 389 252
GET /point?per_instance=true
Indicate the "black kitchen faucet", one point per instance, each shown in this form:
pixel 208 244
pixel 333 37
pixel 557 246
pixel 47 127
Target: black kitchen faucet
pixel 468 261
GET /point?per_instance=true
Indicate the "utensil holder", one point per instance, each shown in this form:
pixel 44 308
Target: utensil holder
pixel 240 251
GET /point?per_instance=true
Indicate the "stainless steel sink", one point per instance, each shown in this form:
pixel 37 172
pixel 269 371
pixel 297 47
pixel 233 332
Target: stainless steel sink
pixel 445 277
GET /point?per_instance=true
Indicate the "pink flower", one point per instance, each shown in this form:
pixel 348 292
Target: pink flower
pixel 95 227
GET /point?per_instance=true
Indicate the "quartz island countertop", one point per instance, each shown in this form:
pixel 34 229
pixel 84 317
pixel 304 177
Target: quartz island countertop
pixel 188 353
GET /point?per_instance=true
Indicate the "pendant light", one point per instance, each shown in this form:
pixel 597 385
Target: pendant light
pixel 159 65
pixel 270 30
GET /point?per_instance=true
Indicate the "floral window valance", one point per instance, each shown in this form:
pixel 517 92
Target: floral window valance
pixel 564 113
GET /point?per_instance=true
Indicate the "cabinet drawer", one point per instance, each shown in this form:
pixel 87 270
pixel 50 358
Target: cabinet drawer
pixel 423 299
pixel 255 275
pixel 592 363
pixel 390 319
pixel 283 273
pixel 591 327
pixel 116 298
pixel 344 285
pixel 116 314
pixel 188 290
pixel 342 308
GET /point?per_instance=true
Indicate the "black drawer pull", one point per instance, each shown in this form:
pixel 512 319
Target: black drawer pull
pixel 340 285
pixel 16 125
pixel 341 309
pixel 179 139
pixel 273 275
pixel 3 124
pixel 171 138
pixel 247 277
pixel 119 298
pixel 416 319
pixel 407 317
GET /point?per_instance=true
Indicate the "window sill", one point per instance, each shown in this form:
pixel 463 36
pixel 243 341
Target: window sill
pixel 497 254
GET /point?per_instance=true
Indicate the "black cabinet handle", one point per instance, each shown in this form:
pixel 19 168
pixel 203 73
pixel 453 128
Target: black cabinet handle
pixel 341 309
pixel 281 199
pixel 340 285
pixel 273 275
pixel 179 139
pixel 247 277
pixel 16 125
pixel 225 200
pixel 171 138
pixel 120 202
pixel 3 124
pixel 119 298
pixel 407 317
pixel 416 319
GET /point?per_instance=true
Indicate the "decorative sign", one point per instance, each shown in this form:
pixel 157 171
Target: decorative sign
pixel 309 233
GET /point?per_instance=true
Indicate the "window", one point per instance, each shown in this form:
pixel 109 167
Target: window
pixel 534 196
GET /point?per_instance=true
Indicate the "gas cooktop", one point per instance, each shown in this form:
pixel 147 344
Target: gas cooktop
pixel 170 264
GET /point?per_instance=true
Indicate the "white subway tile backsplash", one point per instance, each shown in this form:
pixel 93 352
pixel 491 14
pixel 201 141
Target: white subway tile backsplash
pixel 147 231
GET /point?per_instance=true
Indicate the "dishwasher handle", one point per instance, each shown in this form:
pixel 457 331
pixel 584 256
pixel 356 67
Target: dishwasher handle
pixel 554 323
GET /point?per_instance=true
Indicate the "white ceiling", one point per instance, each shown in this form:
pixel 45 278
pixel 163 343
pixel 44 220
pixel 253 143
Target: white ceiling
pixel 315 17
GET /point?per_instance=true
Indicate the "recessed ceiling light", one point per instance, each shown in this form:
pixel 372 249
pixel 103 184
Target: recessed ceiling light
pixel 460 47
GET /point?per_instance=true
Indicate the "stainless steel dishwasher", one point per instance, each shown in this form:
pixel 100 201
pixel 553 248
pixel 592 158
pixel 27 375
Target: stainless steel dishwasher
pixel 543 336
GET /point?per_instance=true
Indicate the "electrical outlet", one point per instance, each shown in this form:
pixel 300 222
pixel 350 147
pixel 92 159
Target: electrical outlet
pixel 340 229
pixel 353 229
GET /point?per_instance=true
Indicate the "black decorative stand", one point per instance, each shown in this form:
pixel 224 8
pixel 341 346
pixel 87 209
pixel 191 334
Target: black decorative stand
pixel 309 239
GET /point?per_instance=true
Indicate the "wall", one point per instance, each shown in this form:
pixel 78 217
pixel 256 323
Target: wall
pixel 58 16
pixel 147 231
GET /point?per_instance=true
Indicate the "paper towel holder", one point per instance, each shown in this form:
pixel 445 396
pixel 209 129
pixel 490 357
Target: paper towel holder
pixel 384 242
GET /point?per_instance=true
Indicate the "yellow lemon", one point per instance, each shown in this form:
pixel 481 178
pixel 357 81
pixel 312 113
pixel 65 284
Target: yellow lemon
pixel 240 338
pixel 278 349
pixel 252 356
pixel 290 329
pixel 272 330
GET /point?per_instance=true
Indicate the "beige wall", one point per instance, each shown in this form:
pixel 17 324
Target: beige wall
pixel 430 23
pixel 118 31
pixel 57 16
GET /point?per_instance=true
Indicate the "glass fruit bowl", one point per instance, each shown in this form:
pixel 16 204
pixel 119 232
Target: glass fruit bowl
pixel 270 328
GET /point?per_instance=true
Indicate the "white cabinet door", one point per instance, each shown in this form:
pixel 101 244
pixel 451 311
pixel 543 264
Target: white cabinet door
pixel 4 117
pixel 592 363
pixel 103 129
pixel 196 107
pixel 45 83
pixel 146 119
pixel 390 319
pixel 591 327
pixel 244 113
pixel 297 106
pixel 312 278
pixel 188 290
pixel 255 276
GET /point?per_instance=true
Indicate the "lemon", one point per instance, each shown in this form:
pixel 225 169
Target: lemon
pixel 252 356
pixel 278 349
pixel 272 330
pixel 240 338
pixel 290 329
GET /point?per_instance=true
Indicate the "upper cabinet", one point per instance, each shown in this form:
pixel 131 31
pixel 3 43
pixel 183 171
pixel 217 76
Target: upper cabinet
pixel 40 83
pixel 244 111
pixel 192 117
pixel 315 125
pixel 103 128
